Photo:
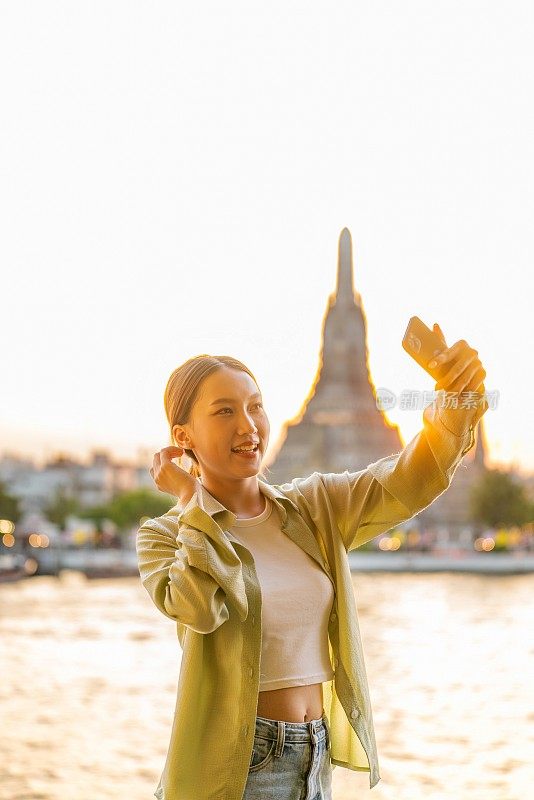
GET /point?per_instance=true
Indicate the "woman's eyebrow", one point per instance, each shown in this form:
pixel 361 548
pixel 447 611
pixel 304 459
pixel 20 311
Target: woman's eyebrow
pixel 230 400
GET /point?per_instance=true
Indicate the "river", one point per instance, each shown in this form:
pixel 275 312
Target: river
pixel 90 668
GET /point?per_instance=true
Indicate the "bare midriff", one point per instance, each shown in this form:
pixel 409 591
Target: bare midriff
pixel 292 704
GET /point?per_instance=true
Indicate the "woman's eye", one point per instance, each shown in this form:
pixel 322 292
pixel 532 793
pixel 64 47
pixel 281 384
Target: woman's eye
pixel 229 409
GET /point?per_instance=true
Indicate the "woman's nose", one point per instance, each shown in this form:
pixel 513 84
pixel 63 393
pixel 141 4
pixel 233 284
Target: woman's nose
pixel 248 424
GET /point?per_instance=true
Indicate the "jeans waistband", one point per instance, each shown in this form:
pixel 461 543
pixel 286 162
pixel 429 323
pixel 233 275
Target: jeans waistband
pixel 293 731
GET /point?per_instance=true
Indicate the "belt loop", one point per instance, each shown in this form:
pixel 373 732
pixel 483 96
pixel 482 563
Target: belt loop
pixel 327 731
pixel 280 738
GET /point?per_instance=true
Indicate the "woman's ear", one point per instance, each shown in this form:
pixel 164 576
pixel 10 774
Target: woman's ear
pixel 180 437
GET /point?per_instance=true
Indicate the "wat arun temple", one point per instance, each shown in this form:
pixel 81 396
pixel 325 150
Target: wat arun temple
pixel 341 425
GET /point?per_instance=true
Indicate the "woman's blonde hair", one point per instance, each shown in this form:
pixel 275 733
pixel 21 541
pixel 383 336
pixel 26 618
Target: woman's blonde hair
pixel 183 388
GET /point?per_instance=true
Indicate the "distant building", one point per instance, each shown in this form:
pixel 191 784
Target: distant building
pixel 95 483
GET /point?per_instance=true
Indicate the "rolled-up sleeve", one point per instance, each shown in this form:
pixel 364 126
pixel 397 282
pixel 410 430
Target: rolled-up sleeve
pixel 173 570
pixel 395 488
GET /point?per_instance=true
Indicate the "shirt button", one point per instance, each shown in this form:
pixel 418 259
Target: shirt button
pixel 355 713
pixel 336 662
pixel 333 616
pixel 253 618
pixel 245 730
pixel 250 672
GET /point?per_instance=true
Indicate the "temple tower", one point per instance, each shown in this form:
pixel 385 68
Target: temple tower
pixel 339 425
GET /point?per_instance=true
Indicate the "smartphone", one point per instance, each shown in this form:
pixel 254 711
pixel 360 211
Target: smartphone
pixel 422 344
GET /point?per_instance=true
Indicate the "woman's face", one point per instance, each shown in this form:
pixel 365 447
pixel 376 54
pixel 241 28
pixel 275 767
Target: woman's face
pixel 227 412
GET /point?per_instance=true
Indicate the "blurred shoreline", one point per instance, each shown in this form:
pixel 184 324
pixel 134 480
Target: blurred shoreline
pixel 116 563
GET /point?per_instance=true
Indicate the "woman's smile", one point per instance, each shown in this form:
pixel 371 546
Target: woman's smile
pixel 248 454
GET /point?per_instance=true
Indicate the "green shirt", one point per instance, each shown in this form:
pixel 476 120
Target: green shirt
pixel 199 575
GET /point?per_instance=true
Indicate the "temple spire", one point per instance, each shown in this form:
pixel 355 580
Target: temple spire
pixel 345 280
pixel 339 425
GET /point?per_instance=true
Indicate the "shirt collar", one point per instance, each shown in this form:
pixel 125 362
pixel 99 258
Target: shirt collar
pixel 202 505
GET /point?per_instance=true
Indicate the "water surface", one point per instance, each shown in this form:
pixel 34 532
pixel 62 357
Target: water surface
pixel 90 669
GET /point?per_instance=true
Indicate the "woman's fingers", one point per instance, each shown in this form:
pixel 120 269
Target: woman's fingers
pixel 448 354
pixel 465 374
pixel 472 375
pixel 170 452
pixel 164 457
pixel 440 333
pixel 469 380
pixel 461 355
pixel 476 384
pixel 476 380
pixel 457 371
pixel 168 476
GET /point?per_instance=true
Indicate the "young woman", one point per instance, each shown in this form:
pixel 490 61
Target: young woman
pixel 272 692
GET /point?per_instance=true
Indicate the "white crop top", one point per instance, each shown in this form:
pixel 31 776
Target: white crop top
pixel 297 598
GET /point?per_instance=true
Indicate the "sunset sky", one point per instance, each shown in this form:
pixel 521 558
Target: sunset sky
pixel 175 177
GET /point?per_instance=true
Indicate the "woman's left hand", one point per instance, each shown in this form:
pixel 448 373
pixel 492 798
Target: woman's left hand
pixel 466 374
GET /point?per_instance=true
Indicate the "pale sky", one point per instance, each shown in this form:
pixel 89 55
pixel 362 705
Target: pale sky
pixel 175 177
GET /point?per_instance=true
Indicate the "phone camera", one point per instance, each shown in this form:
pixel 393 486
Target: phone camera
pixel 414 343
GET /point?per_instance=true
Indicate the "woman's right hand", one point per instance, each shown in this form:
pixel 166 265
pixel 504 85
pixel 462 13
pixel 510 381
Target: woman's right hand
pixel 169 477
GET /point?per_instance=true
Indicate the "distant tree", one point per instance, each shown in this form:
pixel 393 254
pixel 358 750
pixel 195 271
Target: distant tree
pixel 61 506
pixel 9 504
pixel 97 514
pixel 127 508
pixel 498 499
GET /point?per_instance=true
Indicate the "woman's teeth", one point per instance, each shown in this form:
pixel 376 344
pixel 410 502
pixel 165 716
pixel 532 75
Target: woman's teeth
pixel 245 449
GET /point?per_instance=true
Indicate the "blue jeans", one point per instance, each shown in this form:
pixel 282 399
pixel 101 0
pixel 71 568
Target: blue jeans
pixel 290 761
